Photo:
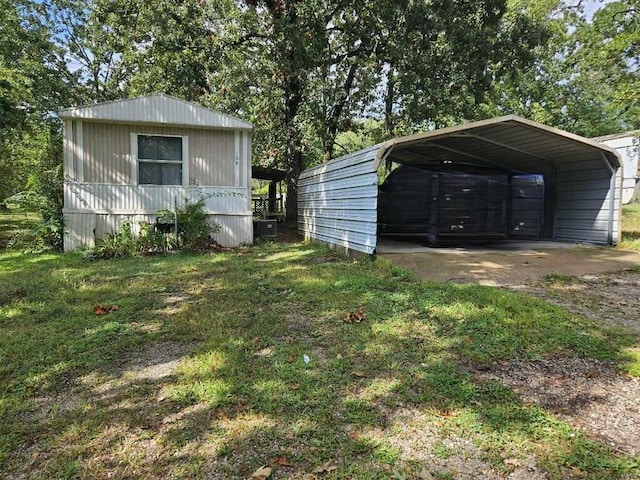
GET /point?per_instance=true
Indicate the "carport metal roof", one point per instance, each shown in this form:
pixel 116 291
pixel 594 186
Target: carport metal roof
pixel 338 200
pixel 508 141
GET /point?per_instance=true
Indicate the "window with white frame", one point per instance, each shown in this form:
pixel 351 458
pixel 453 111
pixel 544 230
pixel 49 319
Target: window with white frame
pixel 160 160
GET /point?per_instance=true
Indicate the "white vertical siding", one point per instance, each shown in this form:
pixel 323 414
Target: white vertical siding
pixel 94 210
pixel 84 229
pixel 234 230
pixel 109 152
pixel 148 199
pixel 69 164
pixel 628 150
pixel 79 231
pixel 337 202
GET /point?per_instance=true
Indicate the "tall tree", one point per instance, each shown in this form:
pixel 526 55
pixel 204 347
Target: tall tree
pixel 31 88
pixel 584 77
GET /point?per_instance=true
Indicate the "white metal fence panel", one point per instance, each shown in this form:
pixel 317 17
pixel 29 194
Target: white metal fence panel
pixel 337 201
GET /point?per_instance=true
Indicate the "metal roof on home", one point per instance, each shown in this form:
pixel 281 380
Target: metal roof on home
pixel 503 141
pixel 614 136
pixel 156 109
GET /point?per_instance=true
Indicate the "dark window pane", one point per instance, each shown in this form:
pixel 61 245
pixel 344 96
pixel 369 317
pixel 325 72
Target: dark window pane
pixel 171 173
pixel 147 147
pixel 150 173
pixel 159 148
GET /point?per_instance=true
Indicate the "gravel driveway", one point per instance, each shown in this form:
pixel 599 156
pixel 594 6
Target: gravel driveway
pixel 508 264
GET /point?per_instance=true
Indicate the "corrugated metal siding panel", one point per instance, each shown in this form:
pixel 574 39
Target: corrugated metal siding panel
pixel 337 202
pixel 107 148
pixel 156 108
pixel 79 231
pixel 212 156
pixel 583 205
pixel 629 151
pixel 142 199
pixel 107 153
pixel 234 231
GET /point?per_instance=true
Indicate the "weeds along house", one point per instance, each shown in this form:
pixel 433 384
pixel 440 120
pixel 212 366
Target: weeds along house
pixel 129 159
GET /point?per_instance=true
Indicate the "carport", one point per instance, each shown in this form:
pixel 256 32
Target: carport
pixel 338 201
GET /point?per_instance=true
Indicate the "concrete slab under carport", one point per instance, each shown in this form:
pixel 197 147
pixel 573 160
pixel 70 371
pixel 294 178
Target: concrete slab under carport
pixel 504 263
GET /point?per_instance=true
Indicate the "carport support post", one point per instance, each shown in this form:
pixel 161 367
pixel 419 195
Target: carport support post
pixel 272 196
pixel 612 200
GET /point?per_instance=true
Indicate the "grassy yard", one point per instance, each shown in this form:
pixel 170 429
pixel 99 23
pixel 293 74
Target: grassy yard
pixel 215 365
pixel 630 227
pixel 13 220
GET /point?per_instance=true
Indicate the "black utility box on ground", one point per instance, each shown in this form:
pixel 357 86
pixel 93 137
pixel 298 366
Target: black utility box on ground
pixel 265 229
pixel 472 204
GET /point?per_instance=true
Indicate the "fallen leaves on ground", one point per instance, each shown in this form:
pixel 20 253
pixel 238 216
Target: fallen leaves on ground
pixel 282 461
pixel 328 466
pixel 356 317
pixel 104 309
pixel 514 462
pixel 261 474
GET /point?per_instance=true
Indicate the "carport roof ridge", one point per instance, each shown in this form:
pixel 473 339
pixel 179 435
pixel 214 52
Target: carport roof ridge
pixel 483 129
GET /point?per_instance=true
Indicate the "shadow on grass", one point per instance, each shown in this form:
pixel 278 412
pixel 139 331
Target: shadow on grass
pixel 246 395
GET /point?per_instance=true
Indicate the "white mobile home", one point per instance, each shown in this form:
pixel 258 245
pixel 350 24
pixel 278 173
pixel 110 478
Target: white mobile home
pixel 129 159
pixel 627 146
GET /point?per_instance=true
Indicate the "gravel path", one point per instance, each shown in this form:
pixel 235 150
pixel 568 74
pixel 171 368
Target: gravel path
pixel 591 395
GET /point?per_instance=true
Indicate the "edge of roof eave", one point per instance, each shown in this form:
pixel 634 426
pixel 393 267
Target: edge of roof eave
pixel 62 113
pixel 416 137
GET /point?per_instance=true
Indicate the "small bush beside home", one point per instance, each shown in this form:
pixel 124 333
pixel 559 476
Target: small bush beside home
pixel 187 229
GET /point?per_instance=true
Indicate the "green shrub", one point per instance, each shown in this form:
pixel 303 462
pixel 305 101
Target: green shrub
pixel 44 195
pixel 119 244
pixel 151 240
pixel 194 234
pixel 194 231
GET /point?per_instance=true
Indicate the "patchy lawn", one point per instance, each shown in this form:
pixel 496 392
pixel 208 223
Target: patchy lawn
pixel 215 365
pixel 630 227
pixel 13 220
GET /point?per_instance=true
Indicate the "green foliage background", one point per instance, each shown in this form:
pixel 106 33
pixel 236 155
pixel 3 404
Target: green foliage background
pixel 317 78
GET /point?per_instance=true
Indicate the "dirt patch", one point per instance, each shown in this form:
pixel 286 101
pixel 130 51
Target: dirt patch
pixel 157 360
pixel 150 364
pixel 511 267
pixel 587 393
pixel 421 439
pixel 610 298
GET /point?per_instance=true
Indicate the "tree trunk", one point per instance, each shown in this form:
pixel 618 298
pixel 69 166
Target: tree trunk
pixel 293 99
pixel 389 122
pixel 336 113
pixel 293 172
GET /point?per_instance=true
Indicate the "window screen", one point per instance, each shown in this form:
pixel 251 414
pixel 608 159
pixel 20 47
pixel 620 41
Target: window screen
pixel 159 160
